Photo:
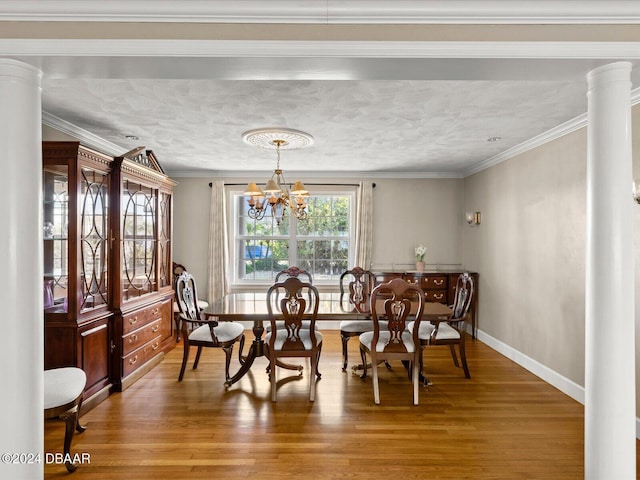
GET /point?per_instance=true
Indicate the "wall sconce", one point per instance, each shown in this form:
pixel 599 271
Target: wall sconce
pixel 473 218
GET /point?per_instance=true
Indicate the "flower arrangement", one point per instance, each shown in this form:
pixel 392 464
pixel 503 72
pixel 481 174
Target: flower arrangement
pixel 420 251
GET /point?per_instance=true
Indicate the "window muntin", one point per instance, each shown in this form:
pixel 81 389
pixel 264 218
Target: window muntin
pixel 323 244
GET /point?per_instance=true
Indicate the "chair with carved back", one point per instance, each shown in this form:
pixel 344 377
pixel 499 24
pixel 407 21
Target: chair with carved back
pixel 206 332
pixel 451 330
pixel 393 305
pixel 289 307
pixel 292 272
pixel 202 304
pixel 355 292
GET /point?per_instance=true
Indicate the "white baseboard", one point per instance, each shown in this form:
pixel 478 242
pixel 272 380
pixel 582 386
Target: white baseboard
pixel 553 378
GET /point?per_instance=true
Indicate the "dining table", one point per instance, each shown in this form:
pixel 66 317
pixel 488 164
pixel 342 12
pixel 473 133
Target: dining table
pixel 252 307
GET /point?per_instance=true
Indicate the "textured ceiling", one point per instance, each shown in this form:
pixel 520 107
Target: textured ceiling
pixel 358 126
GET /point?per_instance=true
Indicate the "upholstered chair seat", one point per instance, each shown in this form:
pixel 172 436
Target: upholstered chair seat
pixel 305 338
pixel 367 337
pixel 224 332
pixel 445 332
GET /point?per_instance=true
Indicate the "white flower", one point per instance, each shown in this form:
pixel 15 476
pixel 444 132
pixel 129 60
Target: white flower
pixel 420 251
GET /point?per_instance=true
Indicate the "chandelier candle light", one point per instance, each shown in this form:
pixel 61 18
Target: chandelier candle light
pixel 420 251
pixel 276 193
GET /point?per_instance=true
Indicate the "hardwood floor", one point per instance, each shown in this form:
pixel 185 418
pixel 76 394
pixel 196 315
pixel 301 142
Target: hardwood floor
pixel 503 423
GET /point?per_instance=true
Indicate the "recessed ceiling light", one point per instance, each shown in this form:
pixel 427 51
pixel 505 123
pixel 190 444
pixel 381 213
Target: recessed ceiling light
pixel 493 139
pixel 131 137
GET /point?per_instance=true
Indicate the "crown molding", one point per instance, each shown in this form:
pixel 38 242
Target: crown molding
pixel 84 136
pixel 319 49
pixel 308 174
pixel 328 11
pixel 563 129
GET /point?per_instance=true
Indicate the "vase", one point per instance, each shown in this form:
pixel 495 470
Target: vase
pixel 420 266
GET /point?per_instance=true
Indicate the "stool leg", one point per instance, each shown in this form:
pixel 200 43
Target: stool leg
pixel 70 419
pixel 79 428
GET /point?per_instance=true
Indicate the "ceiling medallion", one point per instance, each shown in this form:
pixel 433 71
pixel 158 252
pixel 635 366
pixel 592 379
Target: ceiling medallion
pixel 288 138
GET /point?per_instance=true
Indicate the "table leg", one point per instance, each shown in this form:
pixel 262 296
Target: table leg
pixel 255 350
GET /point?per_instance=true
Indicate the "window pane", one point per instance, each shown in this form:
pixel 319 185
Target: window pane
pixel 263 258
pixel 322 241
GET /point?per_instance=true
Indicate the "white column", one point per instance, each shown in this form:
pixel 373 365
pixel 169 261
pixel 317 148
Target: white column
pixel 22 324
pixel 610 443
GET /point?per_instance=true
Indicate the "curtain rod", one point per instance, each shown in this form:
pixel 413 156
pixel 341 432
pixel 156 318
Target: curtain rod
pixel 321 184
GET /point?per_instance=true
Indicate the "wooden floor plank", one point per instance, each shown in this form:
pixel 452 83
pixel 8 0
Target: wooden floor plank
pixel 503 423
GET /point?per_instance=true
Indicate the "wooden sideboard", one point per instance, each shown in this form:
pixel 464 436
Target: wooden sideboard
pixel 438 286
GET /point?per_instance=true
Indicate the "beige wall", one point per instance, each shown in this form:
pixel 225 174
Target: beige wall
pixel 406 212
pixel 409 212
pixel 530 251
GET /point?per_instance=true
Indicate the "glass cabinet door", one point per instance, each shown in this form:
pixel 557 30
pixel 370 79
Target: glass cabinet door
pixel 164 241
pixel 139 247
pixel 94 238
pixel 55 215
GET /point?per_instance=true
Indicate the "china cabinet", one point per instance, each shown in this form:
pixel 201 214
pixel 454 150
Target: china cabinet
pixel 75 211
pixel 107 264
pixel 142 266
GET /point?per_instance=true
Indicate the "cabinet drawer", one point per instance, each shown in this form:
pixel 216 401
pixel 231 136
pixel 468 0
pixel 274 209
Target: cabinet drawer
pixel 434 282
pixel 137 338
pixel 438 296
pixel 138 318
pixel 139 357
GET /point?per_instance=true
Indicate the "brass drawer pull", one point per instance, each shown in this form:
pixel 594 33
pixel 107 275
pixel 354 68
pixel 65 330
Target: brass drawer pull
pixel 133 320
pixel 438 282
pixel 155 328
pixel 133 338
pixel 155 346
pixel 133 360
pixel 155 311
pixel 438 296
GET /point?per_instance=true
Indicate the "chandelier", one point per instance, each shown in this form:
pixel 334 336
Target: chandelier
pixel 277 195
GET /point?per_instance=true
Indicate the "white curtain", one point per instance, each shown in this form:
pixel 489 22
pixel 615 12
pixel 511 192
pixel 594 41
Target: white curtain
pixel 364 225
pixel 217 284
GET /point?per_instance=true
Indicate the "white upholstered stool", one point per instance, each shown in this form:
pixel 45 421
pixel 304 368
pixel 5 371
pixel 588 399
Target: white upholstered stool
pixel 63 389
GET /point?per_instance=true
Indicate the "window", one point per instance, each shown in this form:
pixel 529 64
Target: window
pixel 323 244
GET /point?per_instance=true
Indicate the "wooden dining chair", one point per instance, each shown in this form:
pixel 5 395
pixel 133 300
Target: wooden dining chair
pixel 288 306
pixel 451 330
pixel 291 272
pixel 178 269
pixel 396 302
pixel 205 332
pixel 355 294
